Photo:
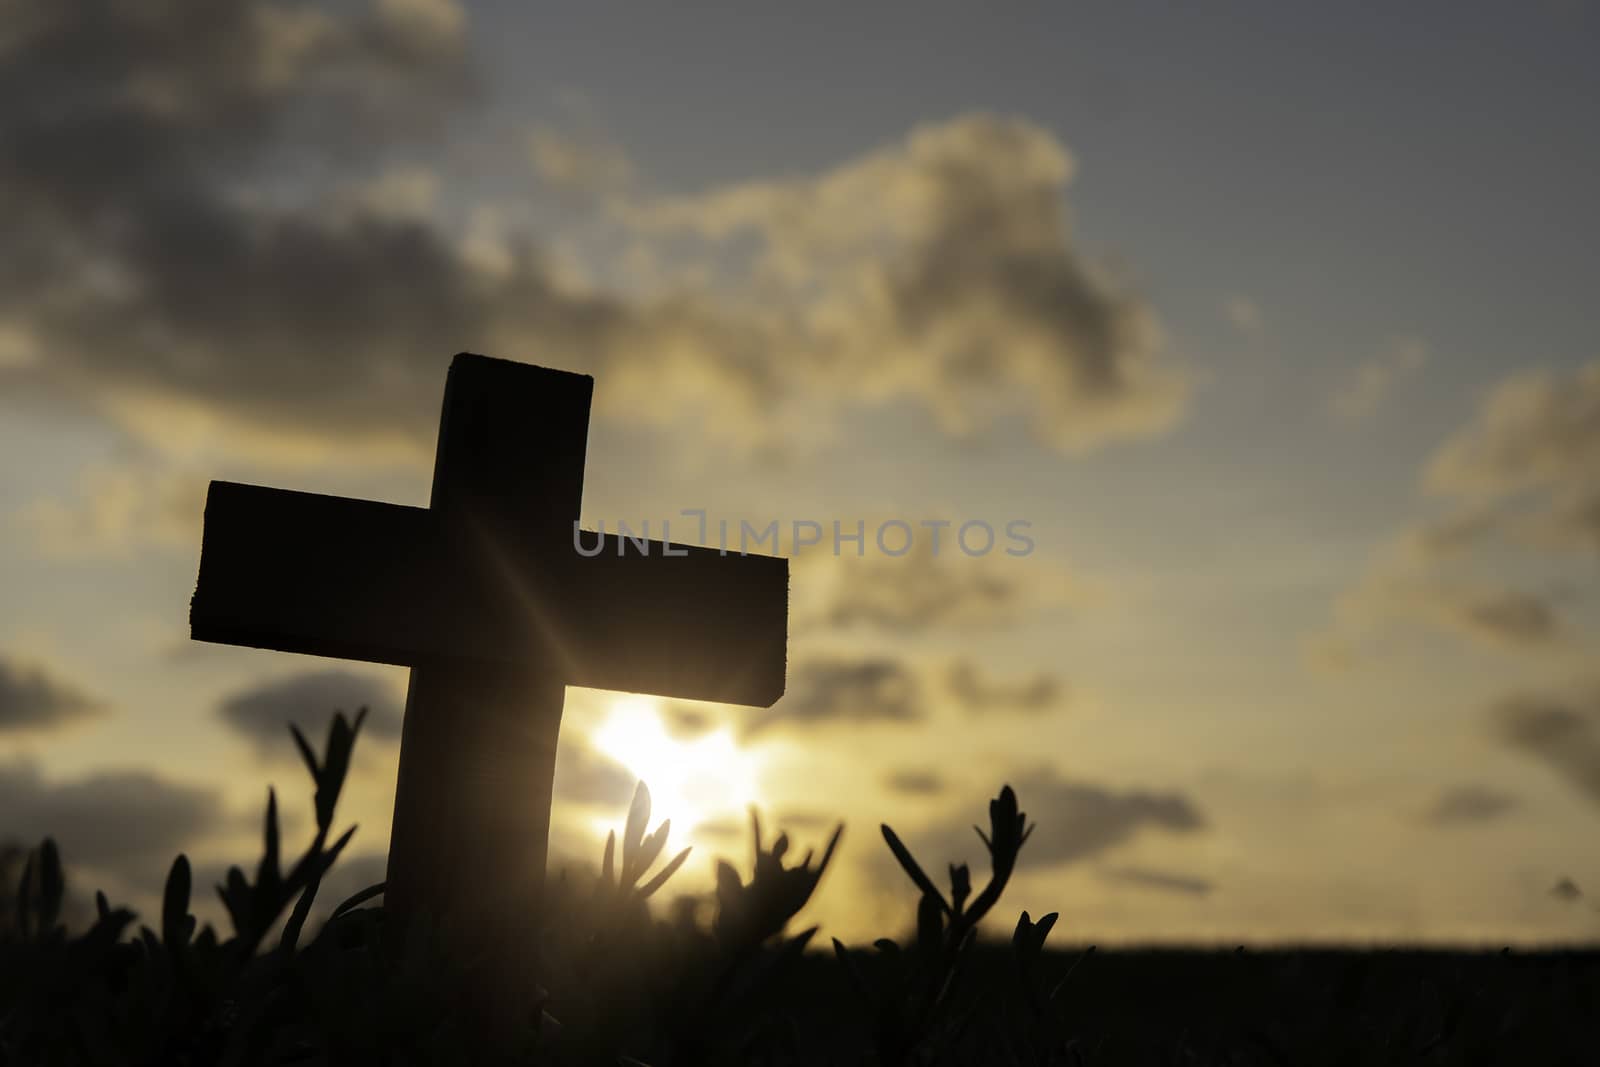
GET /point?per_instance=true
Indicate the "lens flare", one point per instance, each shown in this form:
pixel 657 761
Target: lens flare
pixel 692 780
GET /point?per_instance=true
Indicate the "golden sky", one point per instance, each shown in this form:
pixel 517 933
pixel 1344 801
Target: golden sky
pixel 1273 328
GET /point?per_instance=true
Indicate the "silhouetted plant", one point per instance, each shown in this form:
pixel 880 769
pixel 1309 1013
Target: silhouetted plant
pixel 179 994
pixel 627 988
pixel 913 989
pixel 669 992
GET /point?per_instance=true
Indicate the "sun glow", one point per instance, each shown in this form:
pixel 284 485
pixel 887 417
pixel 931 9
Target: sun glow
pixel 692 780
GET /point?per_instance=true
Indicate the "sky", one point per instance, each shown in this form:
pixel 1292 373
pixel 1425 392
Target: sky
pixel 1271 326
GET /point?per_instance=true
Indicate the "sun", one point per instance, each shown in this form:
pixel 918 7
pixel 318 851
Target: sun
pixel 691 780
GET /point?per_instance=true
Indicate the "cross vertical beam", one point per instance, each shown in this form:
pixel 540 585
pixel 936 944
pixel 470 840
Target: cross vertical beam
pixel 471 829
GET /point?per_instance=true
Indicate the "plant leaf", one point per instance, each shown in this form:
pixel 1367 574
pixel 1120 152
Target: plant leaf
pixel 922 881
pixel 52 885
pixel 24 891
pixel 650 887
pixel 269 873
pixel 633 830
pixel 306 754
pixel 355 900
pixel 175 922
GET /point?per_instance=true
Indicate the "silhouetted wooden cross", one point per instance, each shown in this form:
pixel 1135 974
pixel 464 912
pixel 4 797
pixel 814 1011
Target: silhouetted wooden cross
pixel 486 597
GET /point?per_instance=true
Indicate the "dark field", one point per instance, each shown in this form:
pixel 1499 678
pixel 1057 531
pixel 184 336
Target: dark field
pixel 1286 1006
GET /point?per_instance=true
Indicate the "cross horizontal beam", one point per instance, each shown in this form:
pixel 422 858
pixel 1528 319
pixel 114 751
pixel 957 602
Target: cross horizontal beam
pixel 356 579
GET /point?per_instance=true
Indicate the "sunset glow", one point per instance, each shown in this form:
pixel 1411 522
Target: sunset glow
pixel 691 781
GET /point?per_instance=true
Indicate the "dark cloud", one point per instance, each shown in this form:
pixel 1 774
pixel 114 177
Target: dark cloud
pixel 917 592
pixel 1078 819
pixel 975 693
pixel 134 133
pixel 1075 821
pixel 1163 881
pixel 263 713
pixel 1512 620
pixel 106 105
pixel 845 690
pixel 1566 889
pixel 177 282
pixel 1469 804
pixel 1505 617
pixel 129 822
pixel 1563 732
pixel 685 719
pixel 585 776
pixel 1523 473
pixel 921 782
pixel 31 699
pixel 205 223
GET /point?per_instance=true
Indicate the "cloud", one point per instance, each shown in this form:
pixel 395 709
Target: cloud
pixel 586 776
pixel 1078 819
pixel 1524 476
pixel 1404 583
pixel 923 590
pixel 1533 430
pixel 941 269
pixel 210 300
pixel 33 699
pixel 1469 804
pixel 976 693
pixel 587 165
pixel 125 822
pixel 1075 822
pixel 201 310
pixel 919 782
pixel 1453 535
pixel 1505 618
pixel 1566 890
pixel 832 689
pixel 1162 881
pixel 684 718
pixel 262 713
pixel 1571 523
pixel 1375 379
pixel 181 283
pixel 1562 732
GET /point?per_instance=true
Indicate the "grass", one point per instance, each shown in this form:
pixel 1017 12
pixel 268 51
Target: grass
pixel 621 986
